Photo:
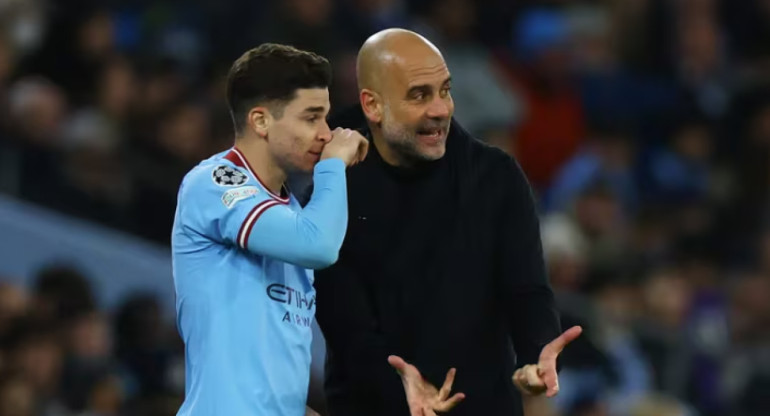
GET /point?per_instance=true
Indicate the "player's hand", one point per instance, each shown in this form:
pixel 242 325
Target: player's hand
pixel 536 379
pixel 311 412
pixel 423 398
pixel 348 145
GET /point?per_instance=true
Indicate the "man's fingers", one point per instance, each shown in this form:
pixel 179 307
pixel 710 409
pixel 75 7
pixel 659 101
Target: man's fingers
pixel 447 387
pixel 398 363
pixel 363 150
pixel 520 379
pixel 552 350
pixel 549 377
pixel 533 382
pixel 546 367
pixel 447 405
pixel 404 368
pixel 547 372
pixel 528 380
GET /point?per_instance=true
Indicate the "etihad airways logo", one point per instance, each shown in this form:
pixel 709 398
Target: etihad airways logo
pixel 293 297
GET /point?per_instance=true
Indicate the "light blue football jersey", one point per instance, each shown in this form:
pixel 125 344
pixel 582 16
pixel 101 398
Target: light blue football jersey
pixel 242 261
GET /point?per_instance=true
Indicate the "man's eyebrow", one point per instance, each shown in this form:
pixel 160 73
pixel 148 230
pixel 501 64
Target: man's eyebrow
pixel 426 87
pixel 421 87
pixel 319 109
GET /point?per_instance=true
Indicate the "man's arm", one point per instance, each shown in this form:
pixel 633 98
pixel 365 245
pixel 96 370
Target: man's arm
pixel 526 294
pixel 249 218
pixel 310 237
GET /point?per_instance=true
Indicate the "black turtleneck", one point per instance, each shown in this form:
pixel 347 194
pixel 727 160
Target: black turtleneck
pixel 441 265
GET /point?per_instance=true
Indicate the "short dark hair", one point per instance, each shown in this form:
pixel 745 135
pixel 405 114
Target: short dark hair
pixel 271 74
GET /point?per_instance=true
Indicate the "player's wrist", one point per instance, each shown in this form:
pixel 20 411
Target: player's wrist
pixel 333 163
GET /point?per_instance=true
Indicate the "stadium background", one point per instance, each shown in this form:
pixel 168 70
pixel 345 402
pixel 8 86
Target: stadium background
pixel 644 126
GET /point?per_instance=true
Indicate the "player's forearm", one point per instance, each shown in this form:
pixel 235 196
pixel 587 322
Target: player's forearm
pixel 324 219
pixel 310 238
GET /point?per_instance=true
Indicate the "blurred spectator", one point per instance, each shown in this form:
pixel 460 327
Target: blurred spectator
pixel 682 171
pixel 554 125
pixel 702 65
pixel 360 18
pixel 306 24
pixel 749 26
pixel 25 24
pixel 89 381
pixel 75 47
pixel 38 109
pixel 183 139
pixel 60 294
pixel 142 345
pixel 33 351
pixel 607 158
pixel 17 398
pixel 14 302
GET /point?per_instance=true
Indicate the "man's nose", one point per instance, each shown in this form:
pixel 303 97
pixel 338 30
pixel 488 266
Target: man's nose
pixel 438 108
pixel 325 135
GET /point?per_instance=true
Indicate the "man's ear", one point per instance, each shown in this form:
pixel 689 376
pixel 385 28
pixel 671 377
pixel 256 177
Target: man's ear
pixel 259 119
pixel 371 103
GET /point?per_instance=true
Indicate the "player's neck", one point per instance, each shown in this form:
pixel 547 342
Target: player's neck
pixel 268 172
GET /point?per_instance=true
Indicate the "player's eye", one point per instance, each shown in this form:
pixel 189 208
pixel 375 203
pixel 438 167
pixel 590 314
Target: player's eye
pixel 313 119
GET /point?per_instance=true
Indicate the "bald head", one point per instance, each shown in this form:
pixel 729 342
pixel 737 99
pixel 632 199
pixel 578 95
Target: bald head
pixel 389 50
pixel 404 91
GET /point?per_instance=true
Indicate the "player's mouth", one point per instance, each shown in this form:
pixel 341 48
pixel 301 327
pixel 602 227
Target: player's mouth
pixel 316 155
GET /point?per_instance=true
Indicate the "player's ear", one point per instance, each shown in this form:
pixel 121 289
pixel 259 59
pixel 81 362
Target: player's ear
pixel 371 103
pixel 259 120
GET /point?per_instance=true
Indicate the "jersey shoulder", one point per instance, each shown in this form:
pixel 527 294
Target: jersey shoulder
pixel 217 181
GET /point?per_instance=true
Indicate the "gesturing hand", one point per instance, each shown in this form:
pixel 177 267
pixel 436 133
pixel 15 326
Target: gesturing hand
pixel 423 398
pixel 536 379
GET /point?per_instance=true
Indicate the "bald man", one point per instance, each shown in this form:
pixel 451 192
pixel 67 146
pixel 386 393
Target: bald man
pixel 442 266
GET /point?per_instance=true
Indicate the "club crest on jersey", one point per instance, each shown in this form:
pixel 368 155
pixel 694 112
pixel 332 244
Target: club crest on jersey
pixel 229 198
pixel 228 176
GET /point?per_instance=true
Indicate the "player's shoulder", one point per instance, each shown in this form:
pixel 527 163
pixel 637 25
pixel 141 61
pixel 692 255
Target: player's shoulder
pixel 216 172
pixel 220 177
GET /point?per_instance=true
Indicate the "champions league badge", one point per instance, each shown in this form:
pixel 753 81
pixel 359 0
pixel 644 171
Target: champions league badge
pixel 228 176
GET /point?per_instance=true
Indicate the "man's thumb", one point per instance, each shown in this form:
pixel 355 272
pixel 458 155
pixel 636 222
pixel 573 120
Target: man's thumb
pixel 398 363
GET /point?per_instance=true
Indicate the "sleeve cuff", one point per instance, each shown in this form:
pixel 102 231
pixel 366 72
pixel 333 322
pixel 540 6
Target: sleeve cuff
pixel 330 165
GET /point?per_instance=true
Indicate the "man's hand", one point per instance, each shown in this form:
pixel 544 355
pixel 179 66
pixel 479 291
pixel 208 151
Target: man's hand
pixel 423 398
pixel 348 145
pixel 311 412
pixel 537 379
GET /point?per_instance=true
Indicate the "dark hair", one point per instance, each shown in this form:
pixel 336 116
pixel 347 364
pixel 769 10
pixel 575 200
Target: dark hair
pixel 271 74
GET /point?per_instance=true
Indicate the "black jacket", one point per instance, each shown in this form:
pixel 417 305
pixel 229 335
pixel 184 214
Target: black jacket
pixel 442 266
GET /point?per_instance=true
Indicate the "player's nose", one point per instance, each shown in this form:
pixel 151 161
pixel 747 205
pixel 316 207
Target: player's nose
pixel 325 134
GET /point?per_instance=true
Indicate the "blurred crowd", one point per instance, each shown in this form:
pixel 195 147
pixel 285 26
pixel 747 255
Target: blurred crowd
pixel 643 125
pixel 60 355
